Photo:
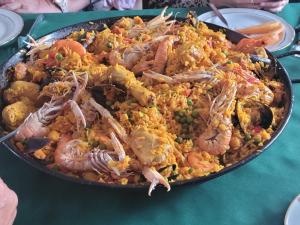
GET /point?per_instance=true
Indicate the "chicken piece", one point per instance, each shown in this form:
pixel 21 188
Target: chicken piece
pixel 96 74
pixel 20 90
pixel 122 76
pixel 36 72
pixel 20 71
pixel 13 115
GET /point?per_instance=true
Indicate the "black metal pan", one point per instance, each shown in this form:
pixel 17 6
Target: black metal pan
pixel 233 36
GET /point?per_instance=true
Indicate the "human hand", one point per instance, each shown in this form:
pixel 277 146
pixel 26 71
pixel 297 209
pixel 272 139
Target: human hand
pixel 8 204
pixel 29 6
pixel 274 6
pixel 269 5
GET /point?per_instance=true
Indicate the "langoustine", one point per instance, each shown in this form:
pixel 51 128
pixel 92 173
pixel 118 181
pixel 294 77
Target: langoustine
pixel 35 125
pixel 216 137
pixel 143 142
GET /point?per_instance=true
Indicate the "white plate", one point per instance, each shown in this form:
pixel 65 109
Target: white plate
pixel 240 18
pixel 11 25
pixel 292 216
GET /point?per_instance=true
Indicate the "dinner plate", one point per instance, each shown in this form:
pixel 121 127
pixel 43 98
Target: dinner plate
pixel 292 216
pixel 11 25
pixel 238 18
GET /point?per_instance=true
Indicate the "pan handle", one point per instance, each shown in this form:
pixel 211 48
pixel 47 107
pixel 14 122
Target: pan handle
pixel 287 54
pixel 295 81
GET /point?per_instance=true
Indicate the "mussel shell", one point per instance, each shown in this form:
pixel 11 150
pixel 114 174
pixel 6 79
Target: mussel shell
pixel 246 121
pixel 98 93
pixel 34 143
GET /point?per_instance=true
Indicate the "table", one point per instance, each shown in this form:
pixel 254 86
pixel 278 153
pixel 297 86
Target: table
pixel 257 193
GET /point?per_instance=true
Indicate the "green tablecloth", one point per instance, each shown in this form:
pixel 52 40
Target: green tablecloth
pixel 255 194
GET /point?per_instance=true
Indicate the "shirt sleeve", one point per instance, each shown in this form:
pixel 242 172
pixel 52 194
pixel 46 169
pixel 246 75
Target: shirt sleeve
pixel 116 4
pixel 175 3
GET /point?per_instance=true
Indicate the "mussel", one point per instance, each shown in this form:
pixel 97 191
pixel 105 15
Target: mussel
pixel 252 114
pixel 98 93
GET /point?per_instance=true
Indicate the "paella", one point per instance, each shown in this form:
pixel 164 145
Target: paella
pixel 153 101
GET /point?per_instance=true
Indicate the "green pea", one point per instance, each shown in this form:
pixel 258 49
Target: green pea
pixel 247 137
pixel 195 113
pixel 59 57
pixel 257 140
pixel 179 140
pixel 189 102
pixel 109 45
pixel 229 62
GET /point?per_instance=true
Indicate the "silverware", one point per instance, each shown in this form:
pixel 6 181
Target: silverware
pixel 296 47
pixel 37 21
pixel 255 58
pixel 218 13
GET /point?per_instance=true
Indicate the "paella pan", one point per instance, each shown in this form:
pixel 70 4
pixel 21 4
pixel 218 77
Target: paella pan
pixel 129 102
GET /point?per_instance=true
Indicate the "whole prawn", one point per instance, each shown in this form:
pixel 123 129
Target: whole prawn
pixel 252 87
pixel 69 155
pixel 153 176
pixel 35 125
pixel 160 60
pixel 216 137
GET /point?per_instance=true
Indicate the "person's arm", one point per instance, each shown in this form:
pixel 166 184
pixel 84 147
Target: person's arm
pixel 41 6
pixel 74 6
pixel 8 204
pixel 269 5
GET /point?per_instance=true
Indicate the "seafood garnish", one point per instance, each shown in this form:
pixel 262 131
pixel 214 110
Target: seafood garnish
pixel 118 147
pixel 35 46
pixel 178 78
pixel 155 178
pixel 159 21
pixel 77 112
pixel 216 137
pixel 69 155
pixel 112 121
pixel 34 143
pixel 253 115
pixel 35 124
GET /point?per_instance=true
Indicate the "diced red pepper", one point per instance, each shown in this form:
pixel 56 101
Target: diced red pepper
pixel 187 92
pixel 257 129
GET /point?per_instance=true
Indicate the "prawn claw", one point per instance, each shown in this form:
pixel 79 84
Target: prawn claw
pixel 155 178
